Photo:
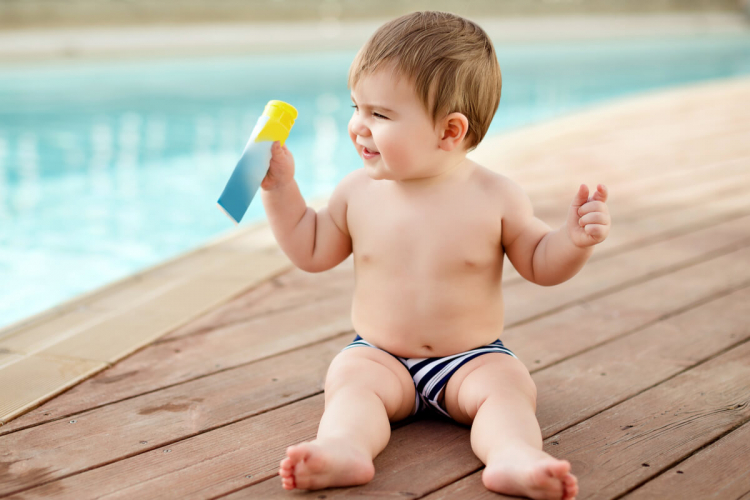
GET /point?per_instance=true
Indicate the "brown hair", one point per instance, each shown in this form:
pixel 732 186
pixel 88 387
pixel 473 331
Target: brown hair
pixel 445 56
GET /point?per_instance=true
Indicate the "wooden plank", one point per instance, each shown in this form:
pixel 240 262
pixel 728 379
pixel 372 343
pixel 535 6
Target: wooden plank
pixel 538 343
pixel 467 488
pixel 525 300
pixel 719 471
pixel 680 199
pixel 199 355
pixel 285 292
pixel 630 187
pixel 553 338
pixel 658 427
pixel 655 348
pixel 656 227
pixel 43 330
pixel 119 289
pixel 639 191
pixel 420 457
pixel 615 371
pixel 667 110
pixel 109 337
pixel 568 391
pixel 625 446
pixel 31 380
pixel 8 357
pixel 630 168
pixel 587 145
pixel 666 225
pixel 236 456
pixel 632 209
pixel 86 441
pixel 403 479
pixel 627 214
pixel 248 452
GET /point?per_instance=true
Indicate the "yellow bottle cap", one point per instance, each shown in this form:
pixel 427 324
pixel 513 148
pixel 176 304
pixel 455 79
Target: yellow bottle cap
pixel 281 111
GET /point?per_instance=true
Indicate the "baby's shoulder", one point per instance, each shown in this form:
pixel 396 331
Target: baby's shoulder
pixel 497 186
pixel 352 182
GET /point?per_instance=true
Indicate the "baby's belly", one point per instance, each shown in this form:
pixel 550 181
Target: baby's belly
pixel 418 318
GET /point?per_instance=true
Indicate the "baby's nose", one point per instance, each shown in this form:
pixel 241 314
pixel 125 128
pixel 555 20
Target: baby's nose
pixel 358 128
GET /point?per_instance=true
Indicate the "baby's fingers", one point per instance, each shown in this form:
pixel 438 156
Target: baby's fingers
pixel 594 218
pixel 593 206
pixel 600 194
pixel 597 231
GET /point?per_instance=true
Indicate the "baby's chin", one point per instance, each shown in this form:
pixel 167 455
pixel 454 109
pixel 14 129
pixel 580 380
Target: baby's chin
pixel 377 173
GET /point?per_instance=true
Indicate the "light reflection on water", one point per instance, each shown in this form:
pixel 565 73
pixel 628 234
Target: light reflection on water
pixel 109 167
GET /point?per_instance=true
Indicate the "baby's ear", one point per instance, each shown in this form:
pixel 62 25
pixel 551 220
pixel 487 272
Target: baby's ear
pixel 454 129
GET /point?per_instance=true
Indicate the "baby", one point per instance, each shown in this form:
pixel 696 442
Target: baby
pixel 429 229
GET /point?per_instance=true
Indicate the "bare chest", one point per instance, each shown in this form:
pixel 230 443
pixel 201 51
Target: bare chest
pixel 429 235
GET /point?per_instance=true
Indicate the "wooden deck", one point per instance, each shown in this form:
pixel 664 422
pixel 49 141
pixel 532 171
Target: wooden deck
pixel 642 360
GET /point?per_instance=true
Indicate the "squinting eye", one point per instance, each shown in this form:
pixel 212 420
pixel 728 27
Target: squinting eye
pixel 377 115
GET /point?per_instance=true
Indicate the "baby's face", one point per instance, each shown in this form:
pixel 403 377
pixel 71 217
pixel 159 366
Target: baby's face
pixel 389 119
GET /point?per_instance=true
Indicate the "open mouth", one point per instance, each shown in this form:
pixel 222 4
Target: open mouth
pixel 369 154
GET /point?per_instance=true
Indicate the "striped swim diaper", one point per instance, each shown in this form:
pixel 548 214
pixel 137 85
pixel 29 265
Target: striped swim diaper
pixel 431 375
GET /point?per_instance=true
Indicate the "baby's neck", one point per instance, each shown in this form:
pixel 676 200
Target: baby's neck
pixel 454 170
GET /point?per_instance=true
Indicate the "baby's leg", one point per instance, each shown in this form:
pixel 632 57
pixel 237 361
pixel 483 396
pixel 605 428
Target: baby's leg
pixel 496 395
pixel 365 389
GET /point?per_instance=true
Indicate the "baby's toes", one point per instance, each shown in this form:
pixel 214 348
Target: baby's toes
pixel 288 483
pixel 559 469
pixel 570 484
pixel 286 464
pixel 303 477
pixel 545 484
pixel 296 454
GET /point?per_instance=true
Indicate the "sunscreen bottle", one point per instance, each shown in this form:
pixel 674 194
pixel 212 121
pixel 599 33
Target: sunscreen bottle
pixel 273 125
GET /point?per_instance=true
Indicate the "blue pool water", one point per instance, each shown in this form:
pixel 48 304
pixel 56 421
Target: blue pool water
pixel 110 167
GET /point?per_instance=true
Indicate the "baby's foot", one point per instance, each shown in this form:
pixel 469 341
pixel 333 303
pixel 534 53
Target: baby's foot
pixel 530 473
pixel 325 463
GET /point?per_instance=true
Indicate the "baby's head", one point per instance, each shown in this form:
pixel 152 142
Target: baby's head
pixel 435 79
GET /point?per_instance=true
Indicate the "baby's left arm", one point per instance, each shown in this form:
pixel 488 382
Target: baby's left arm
pixel 549 257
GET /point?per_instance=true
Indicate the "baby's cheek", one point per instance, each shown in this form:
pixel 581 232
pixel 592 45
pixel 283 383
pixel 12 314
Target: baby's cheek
pixel 399 156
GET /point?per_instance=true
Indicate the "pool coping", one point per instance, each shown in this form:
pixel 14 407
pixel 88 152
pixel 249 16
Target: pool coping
pixel 71 43
pixel 46 354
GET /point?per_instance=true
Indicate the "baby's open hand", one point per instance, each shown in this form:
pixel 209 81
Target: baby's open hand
pixel 588 217
pixel 281 169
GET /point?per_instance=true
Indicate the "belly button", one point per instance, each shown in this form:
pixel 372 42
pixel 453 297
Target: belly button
pixel 429 348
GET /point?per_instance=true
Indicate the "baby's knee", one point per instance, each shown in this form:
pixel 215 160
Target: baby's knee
pixel 345 371
pixel 362 374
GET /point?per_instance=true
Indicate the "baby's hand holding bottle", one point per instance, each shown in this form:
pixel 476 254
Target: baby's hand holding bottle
pixel 281 170
pixel 264 162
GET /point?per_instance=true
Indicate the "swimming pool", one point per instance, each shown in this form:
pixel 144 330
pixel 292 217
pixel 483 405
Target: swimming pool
pixel 110 167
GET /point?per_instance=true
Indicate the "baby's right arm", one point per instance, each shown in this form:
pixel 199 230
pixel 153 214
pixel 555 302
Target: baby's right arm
pixel 313 241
